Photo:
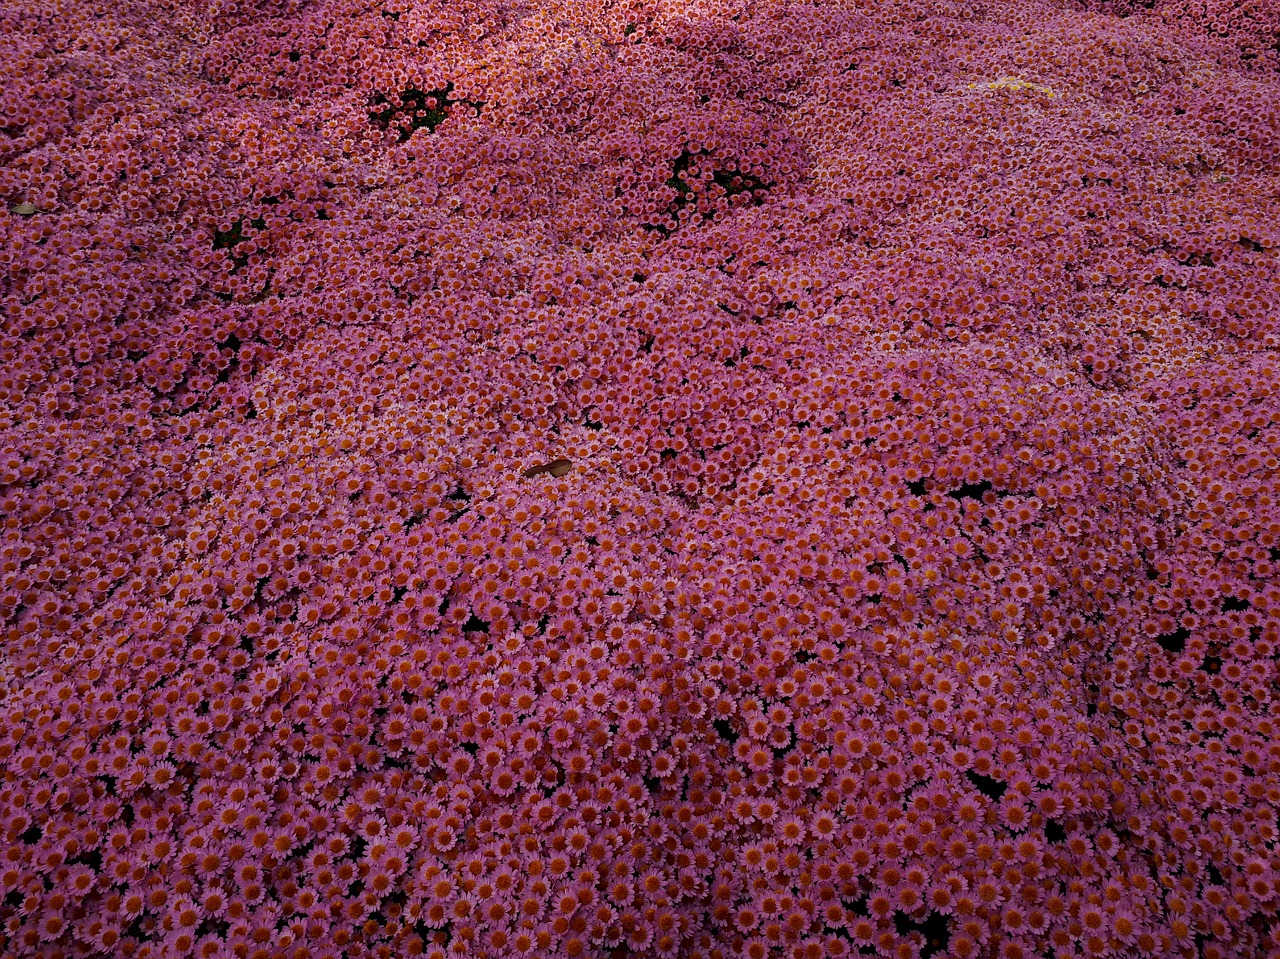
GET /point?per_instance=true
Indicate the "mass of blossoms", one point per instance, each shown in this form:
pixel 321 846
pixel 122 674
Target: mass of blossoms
pixel 611 479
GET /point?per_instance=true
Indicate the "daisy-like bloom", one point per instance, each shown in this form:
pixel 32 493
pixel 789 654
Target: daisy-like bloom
pixel 790 829
pixel 1125 926
pixel 908 897
pixel 940 898
pixel 373 827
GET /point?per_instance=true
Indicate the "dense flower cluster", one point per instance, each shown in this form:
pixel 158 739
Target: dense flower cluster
pixel 707 479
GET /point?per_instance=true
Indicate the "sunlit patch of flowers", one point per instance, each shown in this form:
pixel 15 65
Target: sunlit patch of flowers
pixel 1016 84
pixel 639 480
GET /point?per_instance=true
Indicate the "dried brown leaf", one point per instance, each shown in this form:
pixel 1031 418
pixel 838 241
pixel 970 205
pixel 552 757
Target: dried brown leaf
pixel 556 468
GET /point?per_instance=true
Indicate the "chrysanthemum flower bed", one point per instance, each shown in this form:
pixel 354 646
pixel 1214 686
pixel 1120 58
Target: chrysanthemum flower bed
pixel 701 479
